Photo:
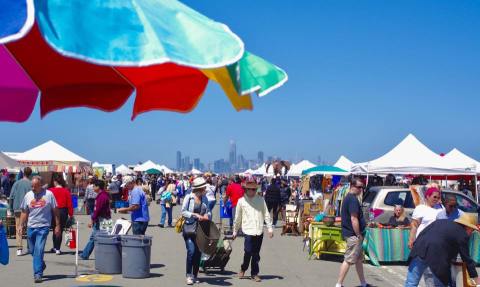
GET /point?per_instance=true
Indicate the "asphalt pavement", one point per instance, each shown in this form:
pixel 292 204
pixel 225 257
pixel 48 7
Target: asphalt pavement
pixel 283 263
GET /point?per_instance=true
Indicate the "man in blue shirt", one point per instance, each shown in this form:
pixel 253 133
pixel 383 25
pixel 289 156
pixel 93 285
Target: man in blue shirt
pixel 138 205
pixel 450 210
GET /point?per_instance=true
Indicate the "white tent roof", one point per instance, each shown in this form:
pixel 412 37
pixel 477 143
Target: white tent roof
pixel 146 166
pixel 164 169
pixel 51 151
pixel 458 160
pixel 195 171
pixel 409 157
pixel 123 170
pixel 344 163
pixel 8 162
pixel 296 169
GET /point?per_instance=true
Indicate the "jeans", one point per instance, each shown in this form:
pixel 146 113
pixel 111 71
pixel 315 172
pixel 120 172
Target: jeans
pixel 252 246
pixel 57 240
pixel 415 271
pixel 37 237
pixel 166 210
pixel 232 219
pixel 211 205
pixel 87 251
pixel 193 257
pixel 139 227
pixel 90 205
pixel 273 206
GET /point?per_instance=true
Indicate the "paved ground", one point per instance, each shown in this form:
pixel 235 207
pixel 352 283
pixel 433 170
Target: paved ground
pixel 283 264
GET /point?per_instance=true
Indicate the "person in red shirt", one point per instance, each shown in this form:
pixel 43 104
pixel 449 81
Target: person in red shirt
pixel 65 207
pixel 233 193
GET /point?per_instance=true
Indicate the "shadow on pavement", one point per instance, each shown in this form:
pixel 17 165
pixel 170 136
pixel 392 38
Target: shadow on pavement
pixel 56 277
pixel 155 275
pixel 271 277
pixel 217 281
pixel 154 266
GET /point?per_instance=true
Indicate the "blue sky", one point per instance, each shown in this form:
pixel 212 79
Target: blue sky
pixel 362 75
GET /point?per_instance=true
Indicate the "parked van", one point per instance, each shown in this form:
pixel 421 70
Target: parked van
pixel 379 202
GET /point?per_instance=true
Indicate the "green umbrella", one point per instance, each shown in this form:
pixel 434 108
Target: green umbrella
pixel 325 169
pixel 153 171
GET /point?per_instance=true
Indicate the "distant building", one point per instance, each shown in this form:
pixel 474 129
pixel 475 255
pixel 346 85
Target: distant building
pixel 196 163
pixel 232 155
pixel 179 160
pixel 260 157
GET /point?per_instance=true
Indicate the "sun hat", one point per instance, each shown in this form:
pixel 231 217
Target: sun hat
pixel 468 220
pixel 199 183
pixel 127 179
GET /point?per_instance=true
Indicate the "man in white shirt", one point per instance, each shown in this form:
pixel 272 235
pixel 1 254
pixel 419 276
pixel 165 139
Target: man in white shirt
pixel 251 213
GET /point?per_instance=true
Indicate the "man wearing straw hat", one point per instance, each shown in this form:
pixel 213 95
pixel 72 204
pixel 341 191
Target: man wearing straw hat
pixel 437 246
pixel 250 214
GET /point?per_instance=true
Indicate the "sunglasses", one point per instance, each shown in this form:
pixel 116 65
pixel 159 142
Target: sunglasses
pixel 436 197
pixel 451 206
pixel 360 186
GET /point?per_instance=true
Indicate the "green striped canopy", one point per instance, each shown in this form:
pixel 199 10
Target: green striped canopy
pixel 325 169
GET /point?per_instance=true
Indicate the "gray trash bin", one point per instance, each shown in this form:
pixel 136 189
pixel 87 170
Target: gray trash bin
pixel 108 253
pixel 136 251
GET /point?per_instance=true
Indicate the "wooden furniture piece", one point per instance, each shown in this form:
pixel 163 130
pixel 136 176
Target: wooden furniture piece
pixel 291 221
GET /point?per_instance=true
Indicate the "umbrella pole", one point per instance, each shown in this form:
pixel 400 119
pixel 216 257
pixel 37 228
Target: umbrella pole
pixel 76 252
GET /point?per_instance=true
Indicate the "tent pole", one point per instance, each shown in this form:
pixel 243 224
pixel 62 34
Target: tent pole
pixel 476 187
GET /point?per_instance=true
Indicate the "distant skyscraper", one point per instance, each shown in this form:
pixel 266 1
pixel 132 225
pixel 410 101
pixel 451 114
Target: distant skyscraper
pixel 196 163
pixel 260 157
pixel 179 160
pixel 232 156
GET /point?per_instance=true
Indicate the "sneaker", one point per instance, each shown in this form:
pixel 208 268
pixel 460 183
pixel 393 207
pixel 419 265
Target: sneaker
pixel 19 252
pixel 189 281
pixel 58 252
pixel 37 279
pixel 257 278
pixel 53 250
pixel 161 225
pixel 241 274
pixel 196 280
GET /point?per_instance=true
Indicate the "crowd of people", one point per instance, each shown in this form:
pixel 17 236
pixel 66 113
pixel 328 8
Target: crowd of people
pixel 439 230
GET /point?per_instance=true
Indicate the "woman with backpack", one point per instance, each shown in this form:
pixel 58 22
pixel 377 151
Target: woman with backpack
pixel 194 209
pixel 167 200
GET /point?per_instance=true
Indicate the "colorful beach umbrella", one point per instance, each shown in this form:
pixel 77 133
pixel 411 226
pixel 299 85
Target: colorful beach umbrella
pixel 160 50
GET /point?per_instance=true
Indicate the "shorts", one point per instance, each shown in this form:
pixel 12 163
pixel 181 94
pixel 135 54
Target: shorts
pixel 354 251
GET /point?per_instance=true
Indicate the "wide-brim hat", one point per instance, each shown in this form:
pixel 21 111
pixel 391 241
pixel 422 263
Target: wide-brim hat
pixel 199 183
pixel 250 184
pixel 126 180
pixel 468 220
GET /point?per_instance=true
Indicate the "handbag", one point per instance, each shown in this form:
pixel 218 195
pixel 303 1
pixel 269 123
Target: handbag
pixel 179 224
pixel 190 225
pixel 106 225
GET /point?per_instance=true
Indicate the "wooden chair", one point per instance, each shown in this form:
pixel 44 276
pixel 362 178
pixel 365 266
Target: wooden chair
pixel 291 222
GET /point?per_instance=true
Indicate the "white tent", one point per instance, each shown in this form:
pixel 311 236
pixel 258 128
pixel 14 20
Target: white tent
pixel 51 156
pixel 296 169
pixel 344 163
pixel 409 157
pixel 458 160
pixel 146 166
pixel 8 162
pixel 195 171
pixel 123 170
pixel 106 166
pixel 164 169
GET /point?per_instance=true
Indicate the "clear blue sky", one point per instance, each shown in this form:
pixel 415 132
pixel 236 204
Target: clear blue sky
pixel 363 74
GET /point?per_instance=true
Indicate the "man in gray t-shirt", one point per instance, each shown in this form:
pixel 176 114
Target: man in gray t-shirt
pixel 39 207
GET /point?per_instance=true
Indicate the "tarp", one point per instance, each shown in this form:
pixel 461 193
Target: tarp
pixel 325 169
pixel 344 163
pixel 298 168
pixel 108 167
pixel 195 171
pixel 146 166
pixel 51 156
pixel 458 160
pixel 164 169
pixel 409 157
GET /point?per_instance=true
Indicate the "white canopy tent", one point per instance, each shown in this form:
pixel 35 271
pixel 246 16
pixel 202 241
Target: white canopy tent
pixel 123 170
pixel 51 156
pixel 296 169
pixel 146 166
pixel 8 162
pixel 409 157
pixel 458 160
pixel 344 163
pixel 164 169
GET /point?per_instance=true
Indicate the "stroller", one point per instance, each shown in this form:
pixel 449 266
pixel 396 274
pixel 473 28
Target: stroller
pixel 219 259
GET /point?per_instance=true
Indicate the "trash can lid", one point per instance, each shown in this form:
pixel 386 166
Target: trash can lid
pixel 136 240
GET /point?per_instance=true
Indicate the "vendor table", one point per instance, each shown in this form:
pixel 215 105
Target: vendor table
pixel 391 245
pixel 326 240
